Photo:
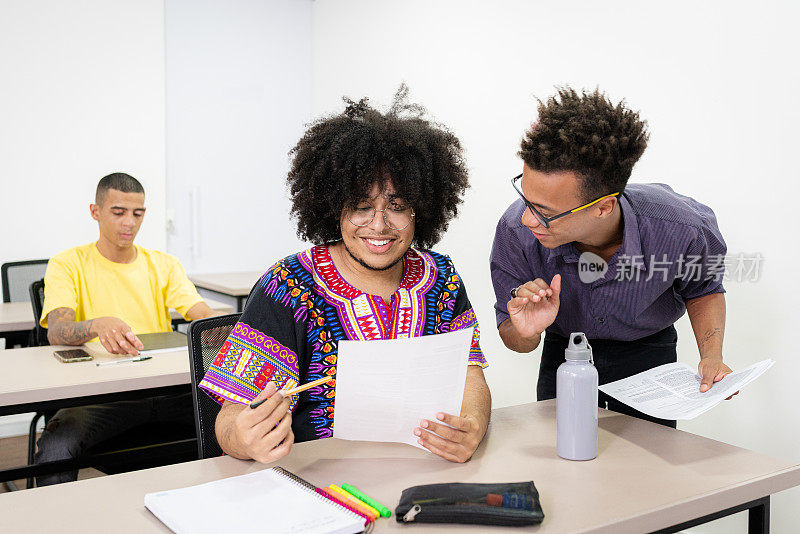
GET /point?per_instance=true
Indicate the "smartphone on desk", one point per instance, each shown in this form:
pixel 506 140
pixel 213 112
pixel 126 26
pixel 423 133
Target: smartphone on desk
pixel 72 355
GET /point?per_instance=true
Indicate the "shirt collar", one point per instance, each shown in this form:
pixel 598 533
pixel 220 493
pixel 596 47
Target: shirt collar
pixel 414 268
pixel 631 239
pixel 567 251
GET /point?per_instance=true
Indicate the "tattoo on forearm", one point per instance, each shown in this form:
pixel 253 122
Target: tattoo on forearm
pixel 76 332
pixel 709 335
pixel 63 330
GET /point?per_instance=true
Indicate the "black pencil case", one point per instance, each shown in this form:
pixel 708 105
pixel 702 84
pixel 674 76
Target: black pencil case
pixel 507 504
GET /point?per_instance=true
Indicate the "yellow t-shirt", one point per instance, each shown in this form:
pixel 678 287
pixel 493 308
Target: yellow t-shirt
pixel 140 293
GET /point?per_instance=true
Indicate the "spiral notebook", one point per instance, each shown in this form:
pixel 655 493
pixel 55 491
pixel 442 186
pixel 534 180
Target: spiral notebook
pixel 270 500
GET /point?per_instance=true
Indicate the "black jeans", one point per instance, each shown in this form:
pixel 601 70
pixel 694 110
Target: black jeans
pixel 74 430
pixel 614 360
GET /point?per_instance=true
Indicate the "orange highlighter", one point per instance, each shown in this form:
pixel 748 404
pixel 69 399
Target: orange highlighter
pixel 341 495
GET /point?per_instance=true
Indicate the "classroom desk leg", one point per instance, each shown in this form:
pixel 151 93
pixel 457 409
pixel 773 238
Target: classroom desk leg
pixel 32 445
pixel 757 520
pixel 758 517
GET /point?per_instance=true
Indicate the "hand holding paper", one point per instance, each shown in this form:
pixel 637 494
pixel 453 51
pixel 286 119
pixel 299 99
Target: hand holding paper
pixel 712 370
pixel 454 438
pixel 672 391
pixel 384 389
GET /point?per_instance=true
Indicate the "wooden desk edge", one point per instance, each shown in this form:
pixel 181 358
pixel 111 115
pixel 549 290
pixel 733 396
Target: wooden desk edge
pixel 704 504
pixel 97 388
pixel 200 281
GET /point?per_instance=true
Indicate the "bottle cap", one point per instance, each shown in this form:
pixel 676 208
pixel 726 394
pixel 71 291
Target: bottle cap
pixel 579 348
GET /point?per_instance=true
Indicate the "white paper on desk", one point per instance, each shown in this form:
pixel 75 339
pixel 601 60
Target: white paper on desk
pixel 385 388
pixel 672 391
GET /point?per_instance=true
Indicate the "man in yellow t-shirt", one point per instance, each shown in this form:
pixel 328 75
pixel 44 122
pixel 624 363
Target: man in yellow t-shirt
pixel 83 285
pixel 112 290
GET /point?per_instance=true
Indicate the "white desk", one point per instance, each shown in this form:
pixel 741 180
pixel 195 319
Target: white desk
pixel 16 316
pixel 32 379
pixel 646 478
pixel 237 285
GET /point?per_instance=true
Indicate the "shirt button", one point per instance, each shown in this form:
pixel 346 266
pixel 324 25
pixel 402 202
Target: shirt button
pixel 601 320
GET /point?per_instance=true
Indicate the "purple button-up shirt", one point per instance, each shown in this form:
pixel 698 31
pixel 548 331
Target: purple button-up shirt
pixel 672 251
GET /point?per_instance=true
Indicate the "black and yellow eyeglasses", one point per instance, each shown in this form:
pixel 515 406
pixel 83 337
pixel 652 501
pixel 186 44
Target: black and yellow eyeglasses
pixel 545 221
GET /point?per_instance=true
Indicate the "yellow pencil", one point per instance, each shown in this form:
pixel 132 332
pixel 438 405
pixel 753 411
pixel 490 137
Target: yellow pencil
pixel 307 385
pixel 293 391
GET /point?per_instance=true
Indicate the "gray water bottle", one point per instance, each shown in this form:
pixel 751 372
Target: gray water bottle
pixel 576 402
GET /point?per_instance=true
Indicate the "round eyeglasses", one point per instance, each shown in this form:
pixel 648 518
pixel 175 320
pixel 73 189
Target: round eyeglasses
pixel 394 218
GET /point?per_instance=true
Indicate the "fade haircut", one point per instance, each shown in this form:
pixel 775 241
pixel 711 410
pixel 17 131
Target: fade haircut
pixel 341 157
pixel 118 181
pixel 588 135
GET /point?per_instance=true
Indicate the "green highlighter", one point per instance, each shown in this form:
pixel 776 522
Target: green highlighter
pixel 385 512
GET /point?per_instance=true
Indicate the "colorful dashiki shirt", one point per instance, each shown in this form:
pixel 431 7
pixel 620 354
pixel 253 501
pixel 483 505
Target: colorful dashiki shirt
pixel 299 310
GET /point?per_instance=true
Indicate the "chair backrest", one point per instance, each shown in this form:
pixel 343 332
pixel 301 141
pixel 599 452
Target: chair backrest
pixel 206 337
pixel 36 292
pixel 17 277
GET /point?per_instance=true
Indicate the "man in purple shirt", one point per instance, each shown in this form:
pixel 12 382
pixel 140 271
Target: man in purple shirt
pixel 583 251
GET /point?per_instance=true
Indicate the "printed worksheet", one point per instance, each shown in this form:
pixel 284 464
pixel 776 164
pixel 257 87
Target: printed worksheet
pixel 672 391
pixel 385 388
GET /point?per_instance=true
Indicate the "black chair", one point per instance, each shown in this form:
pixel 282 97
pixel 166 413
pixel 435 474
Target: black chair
pixel 206 337
pixel 38 334
pixel 17 278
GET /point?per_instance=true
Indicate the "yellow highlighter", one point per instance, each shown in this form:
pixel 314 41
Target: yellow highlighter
pixel 355 504
pixel 351 504
pixel 359 504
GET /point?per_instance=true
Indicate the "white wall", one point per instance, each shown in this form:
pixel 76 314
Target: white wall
pixel 81 96
pixel 238 95
pixel 717 83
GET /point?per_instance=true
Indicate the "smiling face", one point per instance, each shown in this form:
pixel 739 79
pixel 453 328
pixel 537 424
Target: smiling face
pixel 553 193
pixel 119 216
pixel 377 246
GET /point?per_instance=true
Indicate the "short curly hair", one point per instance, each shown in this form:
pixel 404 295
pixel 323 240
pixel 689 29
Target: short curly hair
pixel 586 134
pixel 340 158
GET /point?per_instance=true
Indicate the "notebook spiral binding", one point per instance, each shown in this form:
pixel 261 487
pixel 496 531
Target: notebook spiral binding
pixel 295 478
pixel 324 496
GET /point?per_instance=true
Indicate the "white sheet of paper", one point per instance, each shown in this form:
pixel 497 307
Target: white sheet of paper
pixel 672 391
pixel 385 388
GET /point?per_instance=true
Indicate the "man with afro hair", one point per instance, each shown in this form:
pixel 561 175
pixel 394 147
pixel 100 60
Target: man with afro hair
pixel 581 250
pixel 373 192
